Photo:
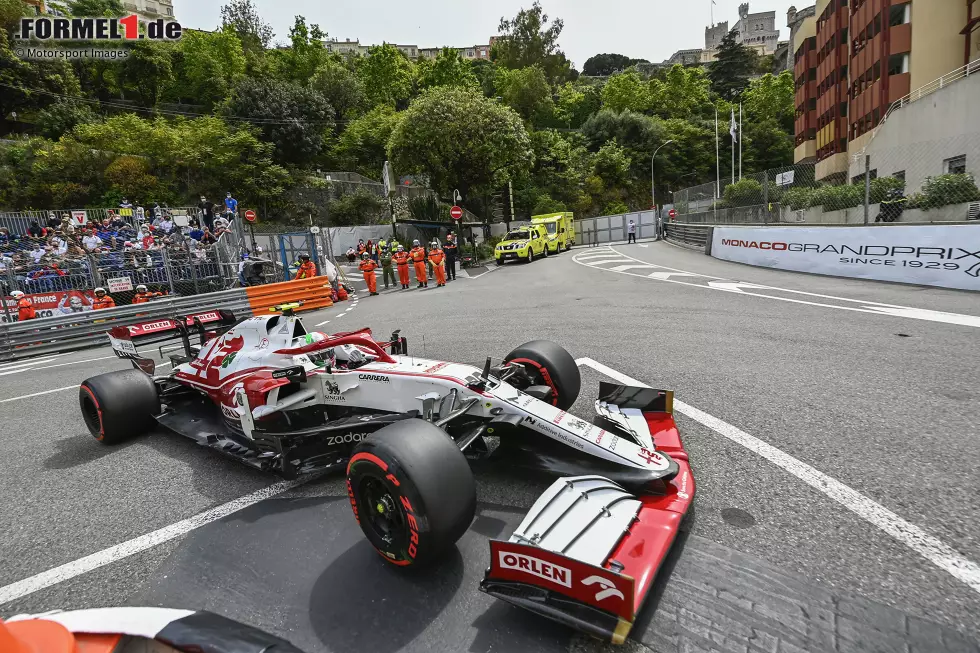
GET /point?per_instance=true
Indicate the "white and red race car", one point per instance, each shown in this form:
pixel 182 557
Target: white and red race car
pixel 276 397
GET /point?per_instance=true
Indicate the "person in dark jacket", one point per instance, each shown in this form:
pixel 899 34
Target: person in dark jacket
pixel 451 251
pixel 207 212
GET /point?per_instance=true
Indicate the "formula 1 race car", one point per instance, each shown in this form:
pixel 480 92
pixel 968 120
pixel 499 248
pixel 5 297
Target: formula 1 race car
pixel 274 396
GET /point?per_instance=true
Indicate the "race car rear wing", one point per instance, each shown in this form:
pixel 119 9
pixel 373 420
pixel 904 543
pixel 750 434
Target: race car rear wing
pixel 588 550
pixel 206 326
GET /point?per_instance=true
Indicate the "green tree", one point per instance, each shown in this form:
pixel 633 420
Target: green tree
pixel 526 91
pixel 31 85
pixel 766 145
pixel 681 93
pixel 359 207
pixel 62 117
pixel 211 64
pixel 574 104
pixel 689 160
pixel 612 165
pixel 363 147
pixel 386 75
pixel 527 40
pixel 773 98
pixel 485 72
pixel 306 53
pixel 602 65
pixel 147 71
pixel 294 118
pixel 342 88
pixel 243 17
pixel 545 205
pixel 627 92
pixel 733 66
pixel 460 140
pixel 447 69
pixel 87 8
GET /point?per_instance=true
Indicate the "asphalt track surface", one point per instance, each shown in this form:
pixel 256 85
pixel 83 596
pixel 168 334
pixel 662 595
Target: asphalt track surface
pixel 883 405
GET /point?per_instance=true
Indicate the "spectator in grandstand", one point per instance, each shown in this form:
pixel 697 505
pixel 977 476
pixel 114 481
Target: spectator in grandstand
pixel 125 204
pixel 57 246
pixel 146 238
pixel 5 237
pixel 38 252
pixel 231 204
pixel 208 237
pixel 140 212
pixel 35 230
pixel 195 231
pixel 166 224
pixel 67 228
pixel 207 212
pixel 102 300
pixel 53 221
pixel 220 227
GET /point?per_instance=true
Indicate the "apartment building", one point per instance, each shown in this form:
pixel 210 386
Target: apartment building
pixel 148 10
pixel 855 58
pixel 757 31
pixel 413 52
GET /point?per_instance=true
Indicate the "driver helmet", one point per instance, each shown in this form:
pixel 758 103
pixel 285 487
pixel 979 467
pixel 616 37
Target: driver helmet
pixel 99 291
pixel 415 242
pixel 17 294
pixel 315 336
pixel 141 288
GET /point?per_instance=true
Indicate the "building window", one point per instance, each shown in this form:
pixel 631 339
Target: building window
pixel 898 64
pixel 170 11
pixel 900 175
pixel 900 14
pixel 813 104
pixel 955 166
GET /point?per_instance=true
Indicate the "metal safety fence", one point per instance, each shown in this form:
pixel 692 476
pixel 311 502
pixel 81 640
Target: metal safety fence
pixel 83 329
pixel 693 236
pixel 615 228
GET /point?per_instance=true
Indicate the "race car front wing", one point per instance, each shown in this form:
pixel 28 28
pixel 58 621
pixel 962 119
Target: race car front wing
pixel 588 551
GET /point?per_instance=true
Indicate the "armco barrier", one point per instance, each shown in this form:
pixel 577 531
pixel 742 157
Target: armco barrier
pixel 693 236
pixel 88 329
pixel 315 294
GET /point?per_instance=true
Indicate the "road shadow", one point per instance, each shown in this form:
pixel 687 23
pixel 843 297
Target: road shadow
pixel 361 604
pixel 80 450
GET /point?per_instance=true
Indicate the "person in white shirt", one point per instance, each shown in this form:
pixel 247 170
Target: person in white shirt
pixel 166 224
pixel 38 253
pixel 92 242
pixel 58 246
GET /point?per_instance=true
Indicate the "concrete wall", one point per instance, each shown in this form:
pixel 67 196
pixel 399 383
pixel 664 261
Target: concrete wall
pixel 937 46
pixel 920 136
pixel 951 213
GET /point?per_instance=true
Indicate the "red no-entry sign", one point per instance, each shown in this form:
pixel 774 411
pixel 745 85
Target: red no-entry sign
pixel 456 213
pixel 672 213
pixel 250 215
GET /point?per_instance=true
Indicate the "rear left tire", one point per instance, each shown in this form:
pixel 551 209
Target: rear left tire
pixel 412 492
pixel 119 405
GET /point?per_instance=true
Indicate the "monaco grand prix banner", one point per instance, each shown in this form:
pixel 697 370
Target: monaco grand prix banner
pixel 933 255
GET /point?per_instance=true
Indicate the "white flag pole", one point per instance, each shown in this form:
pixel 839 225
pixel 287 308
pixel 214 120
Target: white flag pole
pixel 740 141
pixel 717 157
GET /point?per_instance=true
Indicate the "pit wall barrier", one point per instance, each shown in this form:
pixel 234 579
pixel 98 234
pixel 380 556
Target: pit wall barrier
pixel 946 256
pixel 72 331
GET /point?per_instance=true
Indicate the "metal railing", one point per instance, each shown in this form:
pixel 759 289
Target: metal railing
pixel 88 329
pixel 963 72
pixel 695 237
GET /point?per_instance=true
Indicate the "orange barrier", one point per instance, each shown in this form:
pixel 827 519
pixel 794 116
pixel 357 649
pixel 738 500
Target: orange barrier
pixel 315 293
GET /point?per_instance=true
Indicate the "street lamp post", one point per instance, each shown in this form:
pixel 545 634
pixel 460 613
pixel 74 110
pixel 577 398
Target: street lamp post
pixel 653 181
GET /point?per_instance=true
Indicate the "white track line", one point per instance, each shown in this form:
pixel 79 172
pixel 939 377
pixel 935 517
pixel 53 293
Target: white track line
pixel 324 322
pixel 30 361
pixel 731 286
pixel 136 545
pixel 38 394
pixel 48 367
pixel 917 539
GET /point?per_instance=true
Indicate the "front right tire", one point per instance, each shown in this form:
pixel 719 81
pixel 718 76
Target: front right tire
pixel 549 364
pixel 119 405
pixel 412 492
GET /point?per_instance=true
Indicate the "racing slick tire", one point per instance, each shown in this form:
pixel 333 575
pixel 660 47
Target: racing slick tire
pixel 119 405
pixel 553 367
pixel 412 492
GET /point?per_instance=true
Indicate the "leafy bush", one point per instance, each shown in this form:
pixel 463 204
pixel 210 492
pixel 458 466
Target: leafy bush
pixel 835 198
pixel 359 207
pixel 616 207
pixel 798 198
pixel 428 208
pixel 948 189
pixel 744 192
pixel 545 204
pixel 881 186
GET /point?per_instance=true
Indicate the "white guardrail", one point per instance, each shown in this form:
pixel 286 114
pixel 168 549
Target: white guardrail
pixel 88 329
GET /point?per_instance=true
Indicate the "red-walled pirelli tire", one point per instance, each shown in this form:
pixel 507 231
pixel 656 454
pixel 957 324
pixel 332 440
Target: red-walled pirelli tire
pixel 412 492
pixel 549 364
pixel 119 405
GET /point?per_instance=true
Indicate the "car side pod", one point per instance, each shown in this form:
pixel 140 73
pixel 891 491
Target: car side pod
pixel 588 551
